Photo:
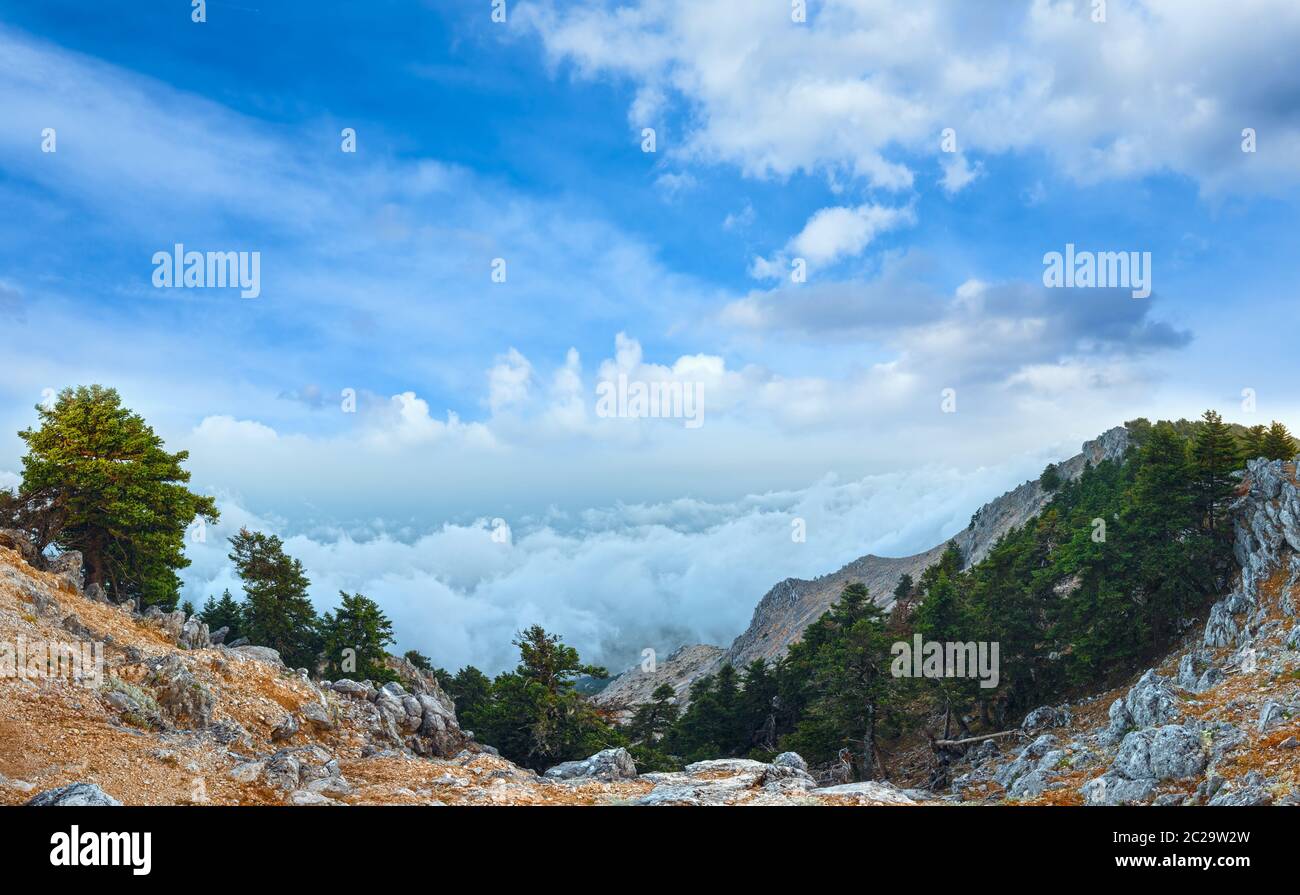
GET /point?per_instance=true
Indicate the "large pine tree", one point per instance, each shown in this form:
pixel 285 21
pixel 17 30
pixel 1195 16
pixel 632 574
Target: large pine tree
pixel 224 613
pixel 1277 443
pixel 353 640
pixel 277 611
pixel 1214 457
pixel 120 497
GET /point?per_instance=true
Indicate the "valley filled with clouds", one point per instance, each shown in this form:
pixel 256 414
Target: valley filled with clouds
pixel 385 397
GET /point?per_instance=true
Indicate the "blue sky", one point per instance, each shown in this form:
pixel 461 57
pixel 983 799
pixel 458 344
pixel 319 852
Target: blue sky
pixel 776 140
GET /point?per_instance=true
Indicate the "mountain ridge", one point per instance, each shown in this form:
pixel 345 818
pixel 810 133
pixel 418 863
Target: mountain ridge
pixel 792 604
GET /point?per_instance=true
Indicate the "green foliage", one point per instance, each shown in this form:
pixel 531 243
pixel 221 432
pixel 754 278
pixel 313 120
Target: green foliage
pixel 471 690
pixel 652 719
pixel 224 613
pixel 354 637
pixel 533 715
pixel 1277 443
pixel 1094 587
pixel 277 611
pixel 1215 456
pixel 117 495
pixel 1251 442
pixel 420 661
pixel 839 679
pixel 1050 480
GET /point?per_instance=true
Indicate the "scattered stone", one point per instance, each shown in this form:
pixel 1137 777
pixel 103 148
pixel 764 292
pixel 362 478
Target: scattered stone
pixel 184 700
pixel 317 716
pixel 307 798
pixel 609 764
pixel 260 653
pixel 75 795
pixel 1045 717
pixel 285 729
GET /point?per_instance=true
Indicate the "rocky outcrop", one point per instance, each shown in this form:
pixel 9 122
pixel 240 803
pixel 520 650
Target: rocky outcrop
pixel 75 795
pixel 183 699
pixel 611 764
pixel 793 604
pixel 1218 730
pixel 21 543
pixel 1151 701
pixel 679 670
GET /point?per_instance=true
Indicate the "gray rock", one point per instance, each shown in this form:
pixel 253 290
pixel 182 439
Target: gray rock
pixel 249 772
pixel 355 689
pixel 609 764
pixel 183 699
pixel 75 795
pixel 194 634
pixel 1271 715
pixel 1046 717
pixel 790 760
pixel 1162 753
pixel 259 653
pixel 869 791
pixel 218 637
pixel 1241 796
pixel 21 543
pixel 285 729
pixel 1029 786
pixel 318 716
pixel 1112 789
pixel 74 626
pixel 1150 702
pixel 67 566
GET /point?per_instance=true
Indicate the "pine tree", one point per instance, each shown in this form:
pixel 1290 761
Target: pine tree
pixel 1277 443
pixel 354 638
pixel 535 716
pixel 277 611
pixel 419 660
pixel 1163 521
pixel 652 719
pixel 119 497
pixel 847 663
pixel 471 690
pixel 224 613
pixel 1252 442
pixel 1214 456
pixel 1050 480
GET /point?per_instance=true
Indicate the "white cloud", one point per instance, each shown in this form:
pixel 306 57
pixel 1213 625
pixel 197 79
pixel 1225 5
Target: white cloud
pixel 620 578
pixel 866 84
pixel 509 380
pixel 958 173
pixel 834 233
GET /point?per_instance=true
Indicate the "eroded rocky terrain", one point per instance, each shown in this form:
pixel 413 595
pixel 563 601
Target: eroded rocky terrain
pixel 172 718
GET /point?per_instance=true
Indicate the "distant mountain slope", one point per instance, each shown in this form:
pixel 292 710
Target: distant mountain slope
pixel 795 603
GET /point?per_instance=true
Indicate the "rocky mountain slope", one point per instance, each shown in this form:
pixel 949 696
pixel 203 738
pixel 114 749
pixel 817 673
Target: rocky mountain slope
pixel 171 718
pixel 167 717
pixel 1216 723
pixel 795 603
